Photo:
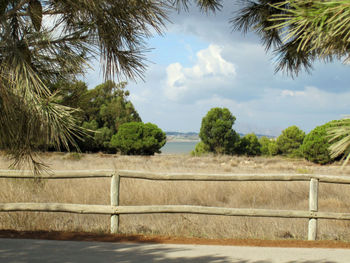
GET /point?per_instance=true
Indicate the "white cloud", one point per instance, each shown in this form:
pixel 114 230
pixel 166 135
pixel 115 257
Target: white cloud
pixel 291 93
pixel 309 99
pixel 210 72
pixel 279 109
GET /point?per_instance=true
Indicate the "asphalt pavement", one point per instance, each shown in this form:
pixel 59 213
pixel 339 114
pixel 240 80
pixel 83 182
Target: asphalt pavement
pixel 29 250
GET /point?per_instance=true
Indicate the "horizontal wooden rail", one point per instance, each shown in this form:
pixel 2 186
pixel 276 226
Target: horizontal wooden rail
pixel 154 209
pixel 68 174
pixel 232 177
pixel 71 174
pixel 57 207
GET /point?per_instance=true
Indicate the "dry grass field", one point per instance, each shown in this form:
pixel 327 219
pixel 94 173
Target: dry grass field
pixel 272 195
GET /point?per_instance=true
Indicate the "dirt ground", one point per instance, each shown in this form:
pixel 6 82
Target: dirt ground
pixel 83 236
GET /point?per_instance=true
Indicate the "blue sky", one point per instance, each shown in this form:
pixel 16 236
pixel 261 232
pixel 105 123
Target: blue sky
pixel 200 63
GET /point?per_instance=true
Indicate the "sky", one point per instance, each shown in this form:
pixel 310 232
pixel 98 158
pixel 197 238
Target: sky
pixel 199 63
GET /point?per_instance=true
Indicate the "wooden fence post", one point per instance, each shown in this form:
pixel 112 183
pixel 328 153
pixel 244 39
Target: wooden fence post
pixel 313 207
pixel 115 181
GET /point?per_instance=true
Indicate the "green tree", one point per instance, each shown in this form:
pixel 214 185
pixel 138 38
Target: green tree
pixel 111 106
pixel 101 110
pixel 33 55
pixel 315 147
pixel 137 138
pixel 216 131
pixel 102 138
pixel 71 93
pixel 318 148
pixel 88 143
pixel 290 140
pixel 100 98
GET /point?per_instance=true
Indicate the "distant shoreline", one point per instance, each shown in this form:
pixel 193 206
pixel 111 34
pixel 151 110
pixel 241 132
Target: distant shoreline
pixel 194 137
pixel 181 140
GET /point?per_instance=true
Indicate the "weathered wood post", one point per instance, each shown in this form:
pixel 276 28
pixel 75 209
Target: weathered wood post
pixel 313 207
pixel 115 182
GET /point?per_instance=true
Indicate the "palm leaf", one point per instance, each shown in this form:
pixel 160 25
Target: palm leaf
pixel 339 137
pixel 34 54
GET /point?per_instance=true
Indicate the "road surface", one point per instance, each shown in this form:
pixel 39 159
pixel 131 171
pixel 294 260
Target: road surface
pixel 29 250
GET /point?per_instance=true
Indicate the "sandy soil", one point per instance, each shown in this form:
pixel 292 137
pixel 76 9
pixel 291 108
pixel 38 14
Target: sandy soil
pixel 83 236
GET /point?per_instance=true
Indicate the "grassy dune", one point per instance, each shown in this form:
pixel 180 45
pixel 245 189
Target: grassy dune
pixel 272 195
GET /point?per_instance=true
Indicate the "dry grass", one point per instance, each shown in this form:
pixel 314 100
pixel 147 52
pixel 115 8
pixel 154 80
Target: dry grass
pixel 273 195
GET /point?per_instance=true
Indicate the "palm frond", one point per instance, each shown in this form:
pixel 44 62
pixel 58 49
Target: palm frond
pixel 34 54
pixel 204 5
pixel 321 27
pixel 298 31
pixel 339 137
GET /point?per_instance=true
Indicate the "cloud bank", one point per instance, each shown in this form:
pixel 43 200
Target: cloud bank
pixel 209 74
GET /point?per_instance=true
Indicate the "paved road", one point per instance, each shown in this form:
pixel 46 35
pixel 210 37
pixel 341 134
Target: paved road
pixel 27 250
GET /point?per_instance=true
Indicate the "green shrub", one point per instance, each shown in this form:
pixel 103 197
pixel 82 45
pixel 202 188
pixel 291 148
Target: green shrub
pixel 200 149
pixel 273 148
pixel 290 140
pixel 316 144
pixel 268 146
pixel 253 145
pixel 137 138
pixel 103 137
pixel 249 145
pixel 264 142
pixel 296 153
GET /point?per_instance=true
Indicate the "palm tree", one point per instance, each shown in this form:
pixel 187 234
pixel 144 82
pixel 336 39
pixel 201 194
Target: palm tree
pixel 43 41
pixel 324 27
pixel 318 25
pixel 339 137
pixel 259 16
pixel 298 31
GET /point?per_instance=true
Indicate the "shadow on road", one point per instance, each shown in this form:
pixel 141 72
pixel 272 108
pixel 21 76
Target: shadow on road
pixel 16 250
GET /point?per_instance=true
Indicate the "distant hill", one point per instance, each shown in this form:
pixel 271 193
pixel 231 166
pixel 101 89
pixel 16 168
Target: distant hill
pixel 194 136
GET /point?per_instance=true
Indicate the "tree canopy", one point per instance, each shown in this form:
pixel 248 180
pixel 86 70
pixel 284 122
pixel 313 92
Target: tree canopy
pixel 217 132
pixel 102 110
pixel 250 145
pixel 315 146
pixel 137 138
pixel 290 140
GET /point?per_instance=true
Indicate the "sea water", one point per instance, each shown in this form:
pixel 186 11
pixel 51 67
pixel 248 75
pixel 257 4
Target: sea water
pixel 178 147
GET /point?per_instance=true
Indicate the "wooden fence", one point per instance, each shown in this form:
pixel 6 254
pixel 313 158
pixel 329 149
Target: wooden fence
pixel 114 209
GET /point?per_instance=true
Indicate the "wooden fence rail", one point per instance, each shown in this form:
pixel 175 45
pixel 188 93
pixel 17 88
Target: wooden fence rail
pixel 114 209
